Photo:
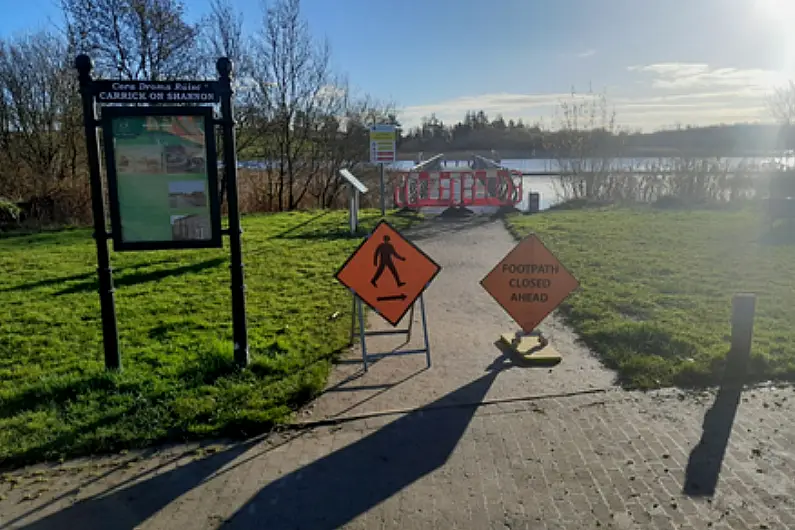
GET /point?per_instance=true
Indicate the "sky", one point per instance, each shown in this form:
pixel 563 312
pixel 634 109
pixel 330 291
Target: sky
pixel 659 63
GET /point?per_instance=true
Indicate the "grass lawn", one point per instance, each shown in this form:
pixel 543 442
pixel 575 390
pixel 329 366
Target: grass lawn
pixel 179 380
pixel 656 289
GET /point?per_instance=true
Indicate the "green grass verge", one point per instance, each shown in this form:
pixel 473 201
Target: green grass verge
pixel 178 380
pixel 656 289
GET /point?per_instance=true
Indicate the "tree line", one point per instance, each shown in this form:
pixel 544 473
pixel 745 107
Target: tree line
pixel 515 139
pixel 292 108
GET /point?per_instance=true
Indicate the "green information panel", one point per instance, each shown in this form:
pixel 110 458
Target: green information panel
pixel 162 177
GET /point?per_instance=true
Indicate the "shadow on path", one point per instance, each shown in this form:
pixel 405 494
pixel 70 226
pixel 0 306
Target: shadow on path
pixel 129 507
pixel 438 226
pixel 706 458
pixel 324 494
pixel 339 487
pixel 381 389
pixel 76 487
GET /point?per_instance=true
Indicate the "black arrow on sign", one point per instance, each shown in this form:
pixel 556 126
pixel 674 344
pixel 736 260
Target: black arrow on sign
pixel 390 298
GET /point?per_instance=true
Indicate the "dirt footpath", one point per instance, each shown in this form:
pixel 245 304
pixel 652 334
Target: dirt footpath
pixel 472 443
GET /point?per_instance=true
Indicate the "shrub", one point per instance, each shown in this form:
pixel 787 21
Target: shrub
pixel 9 214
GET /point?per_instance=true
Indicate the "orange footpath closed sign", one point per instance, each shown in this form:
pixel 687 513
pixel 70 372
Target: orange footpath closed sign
pixel 529 283
pixel 388 273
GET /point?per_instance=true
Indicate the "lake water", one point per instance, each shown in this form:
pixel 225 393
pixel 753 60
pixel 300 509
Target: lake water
pixel 538 165
pixel 545 185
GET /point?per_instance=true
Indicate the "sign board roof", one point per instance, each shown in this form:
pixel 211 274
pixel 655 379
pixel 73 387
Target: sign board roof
pixel 356 183
pixel 388 273
pixel 529 283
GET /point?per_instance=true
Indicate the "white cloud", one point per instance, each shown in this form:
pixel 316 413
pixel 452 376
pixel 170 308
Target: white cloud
pixel 698 75
pixel 587 53
pixel 660 95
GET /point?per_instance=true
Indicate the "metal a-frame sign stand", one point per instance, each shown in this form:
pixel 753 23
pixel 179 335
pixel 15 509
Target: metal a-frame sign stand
pixel 153 94
pixel 394 298
pixel 363 334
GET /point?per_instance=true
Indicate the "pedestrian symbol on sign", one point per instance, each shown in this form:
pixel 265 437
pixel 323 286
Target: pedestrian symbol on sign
pixel 387 253
pixel 383 258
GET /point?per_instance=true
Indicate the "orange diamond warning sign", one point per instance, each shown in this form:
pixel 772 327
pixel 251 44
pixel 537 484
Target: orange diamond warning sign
pixel 529 283
pixel 388 273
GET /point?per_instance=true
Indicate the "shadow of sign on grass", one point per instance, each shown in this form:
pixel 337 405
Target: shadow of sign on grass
pixel 31 286
pixel 133 400
pixel 298 227
pixel 325 494
pixel 144 277
pixel 332 234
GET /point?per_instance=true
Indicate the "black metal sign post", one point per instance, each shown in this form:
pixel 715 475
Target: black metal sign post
pixel 227 122
pixel 183 210
pixel 110 335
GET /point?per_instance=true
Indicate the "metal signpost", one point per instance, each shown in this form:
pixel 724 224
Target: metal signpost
pixel 383 149
pixel 389 274
pixel 356 188
pixel 162 178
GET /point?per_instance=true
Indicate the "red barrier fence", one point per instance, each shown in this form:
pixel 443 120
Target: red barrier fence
pixel 483 187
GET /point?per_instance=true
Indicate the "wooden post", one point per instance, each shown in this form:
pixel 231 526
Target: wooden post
pixel 533 202
pixel 743 310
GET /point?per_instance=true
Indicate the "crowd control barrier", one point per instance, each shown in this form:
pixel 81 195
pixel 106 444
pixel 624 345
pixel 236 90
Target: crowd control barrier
pixel 483 187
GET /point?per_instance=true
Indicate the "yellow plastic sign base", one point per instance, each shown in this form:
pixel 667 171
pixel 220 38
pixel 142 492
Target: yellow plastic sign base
pixel 527 351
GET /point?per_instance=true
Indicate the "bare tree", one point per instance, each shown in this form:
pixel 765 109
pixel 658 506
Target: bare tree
pixel 584 144
pixel 39 120
pixel 222 36
pixel 290 75
pixel 134 39
pixel 343 143
pixel 781 104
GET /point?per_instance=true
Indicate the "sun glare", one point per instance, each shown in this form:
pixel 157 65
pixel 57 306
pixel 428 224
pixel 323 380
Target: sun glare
pixel 778 15
pixel 777 9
